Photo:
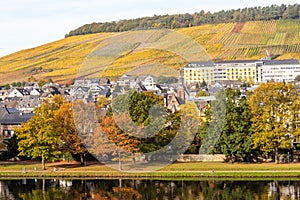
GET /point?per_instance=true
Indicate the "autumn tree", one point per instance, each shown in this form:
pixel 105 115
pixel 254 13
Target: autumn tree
pixel 126 144
pixel 201 94
pixel 65 126
pixel 2 145
pixel 187 130
pixel 270 106
pixel 102 102
pixel 38 138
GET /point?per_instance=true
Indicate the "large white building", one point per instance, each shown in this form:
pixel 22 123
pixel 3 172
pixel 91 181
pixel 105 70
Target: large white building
pixel 280 70
pixel 252 71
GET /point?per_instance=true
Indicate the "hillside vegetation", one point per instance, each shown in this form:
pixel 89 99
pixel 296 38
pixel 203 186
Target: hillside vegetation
pixel 65 59
pixel 273 12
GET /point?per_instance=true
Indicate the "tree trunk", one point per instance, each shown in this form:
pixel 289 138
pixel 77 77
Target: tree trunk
pixel 81 159
pixel 43 164
pixel 276 155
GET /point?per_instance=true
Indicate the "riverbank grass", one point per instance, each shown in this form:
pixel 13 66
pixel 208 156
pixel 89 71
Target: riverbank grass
pixel 199 169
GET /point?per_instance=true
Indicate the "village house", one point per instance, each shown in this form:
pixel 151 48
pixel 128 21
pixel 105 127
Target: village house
pixel 10 119
pixel 31 86
pixel 18 92
pixel 90 89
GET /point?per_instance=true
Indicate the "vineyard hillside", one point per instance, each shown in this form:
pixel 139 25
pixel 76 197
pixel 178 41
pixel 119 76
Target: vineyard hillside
pixel 62 60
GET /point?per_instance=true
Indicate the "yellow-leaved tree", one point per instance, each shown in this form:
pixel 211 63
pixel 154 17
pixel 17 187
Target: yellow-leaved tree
pixel 38 138
pixel 271 105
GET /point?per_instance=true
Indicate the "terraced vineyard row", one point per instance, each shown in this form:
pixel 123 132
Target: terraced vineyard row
pixel 117 53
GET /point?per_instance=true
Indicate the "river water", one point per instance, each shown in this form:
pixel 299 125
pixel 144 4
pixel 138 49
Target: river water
pixel 99 189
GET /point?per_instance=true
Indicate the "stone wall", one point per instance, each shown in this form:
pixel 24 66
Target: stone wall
pixel 201 158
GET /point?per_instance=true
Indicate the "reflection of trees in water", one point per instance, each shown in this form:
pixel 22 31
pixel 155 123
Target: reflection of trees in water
pixel 4 192
pixel 42 189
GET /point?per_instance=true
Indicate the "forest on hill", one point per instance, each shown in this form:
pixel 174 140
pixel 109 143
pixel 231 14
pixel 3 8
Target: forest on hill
pixel 273 12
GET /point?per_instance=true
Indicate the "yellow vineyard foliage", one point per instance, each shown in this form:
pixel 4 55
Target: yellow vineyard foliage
pixel 65 59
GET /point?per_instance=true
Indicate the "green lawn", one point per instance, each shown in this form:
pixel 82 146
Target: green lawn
pixel 176 170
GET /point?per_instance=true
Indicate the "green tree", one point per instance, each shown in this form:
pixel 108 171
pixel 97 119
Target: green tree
pixel 41 83
pixel 7 86
pixel 235 141
pixel 38 138
pixel 215 123
pixel 203 84
pixel 270 106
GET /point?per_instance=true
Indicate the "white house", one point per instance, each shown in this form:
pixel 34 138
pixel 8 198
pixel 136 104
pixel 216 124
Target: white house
pixel 148 82
pixel 36 92
pixel 31 85
pixel 17 92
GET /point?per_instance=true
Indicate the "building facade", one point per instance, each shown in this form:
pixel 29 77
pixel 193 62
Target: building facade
pixel 280 70
pixel 196 72
pixel 251 71
pixel 237 70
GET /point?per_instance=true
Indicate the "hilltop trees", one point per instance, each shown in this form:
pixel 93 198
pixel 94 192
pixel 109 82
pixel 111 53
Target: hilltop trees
pixel 273 12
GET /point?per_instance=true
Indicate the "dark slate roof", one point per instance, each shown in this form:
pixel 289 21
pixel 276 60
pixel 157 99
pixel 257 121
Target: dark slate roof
pixel 105 92
pixel 180 100
pixel 23 91
pixel 12 110
pixel 159 87
pixel 142 87
pixel 3 112
pixel 30 84
pixel 16 118
pixel 281 62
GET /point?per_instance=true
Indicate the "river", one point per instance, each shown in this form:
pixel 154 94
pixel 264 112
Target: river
pixel 99 189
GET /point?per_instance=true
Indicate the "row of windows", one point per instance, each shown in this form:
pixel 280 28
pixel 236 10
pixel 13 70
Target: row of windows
pixel 243 69
pixel 277 68
pixel 241 77
pixel 272 76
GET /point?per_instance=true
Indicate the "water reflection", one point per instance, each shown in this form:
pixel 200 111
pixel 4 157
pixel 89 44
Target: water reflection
pixel 42 189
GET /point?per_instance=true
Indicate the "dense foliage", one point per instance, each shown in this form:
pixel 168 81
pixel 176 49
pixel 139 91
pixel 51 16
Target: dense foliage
pixel 273 12
pixel 264 122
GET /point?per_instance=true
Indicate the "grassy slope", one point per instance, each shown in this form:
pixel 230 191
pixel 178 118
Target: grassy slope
pixel 61 60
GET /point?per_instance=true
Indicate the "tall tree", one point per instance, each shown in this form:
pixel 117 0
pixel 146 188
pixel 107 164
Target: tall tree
pixel 65 126
pixel 270 106
pixel 38 138
pixel 215 123
pixel 235 141
pixel 85 121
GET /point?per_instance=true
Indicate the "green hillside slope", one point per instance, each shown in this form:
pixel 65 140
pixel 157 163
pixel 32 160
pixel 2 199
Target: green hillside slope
pixel 61 60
